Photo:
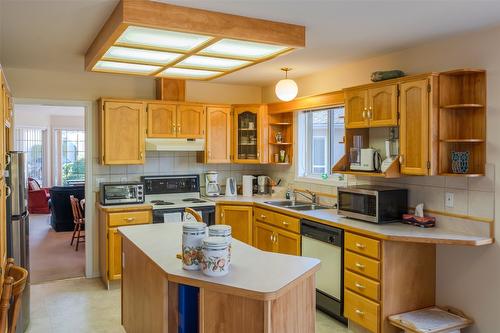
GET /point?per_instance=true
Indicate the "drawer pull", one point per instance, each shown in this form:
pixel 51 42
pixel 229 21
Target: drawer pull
pixel 359 286
pixel 360 266
pixel 285 223
pixel 262 216
pixel 360 246
pixel 129 219
pixel 359 312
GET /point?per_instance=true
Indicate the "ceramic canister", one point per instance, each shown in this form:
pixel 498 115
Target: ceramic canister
pixel 224 231
pixel 215 260
pixel 192 237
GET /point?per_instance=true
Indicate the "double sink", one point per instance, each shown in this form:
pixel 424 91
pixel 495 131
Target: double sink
pixel 296 205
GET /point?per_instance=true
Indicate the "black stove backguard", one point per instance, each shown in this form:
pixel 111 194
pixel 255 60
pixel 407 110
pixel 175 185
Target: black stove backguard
pixel 171 184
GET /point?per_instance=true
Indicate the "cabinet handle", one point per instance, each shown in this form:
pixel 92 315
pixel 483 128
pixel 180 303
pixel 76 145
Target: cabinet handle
pixel 178 128
pixel 285 223
pixel 360 266
pixel 258 154
pixel 359 286
pixel 9 191
pixel 221 214
pixel 271 238
pixel 275 239
pixel 369 114
pixel 174 128
pixel 359 312
pixel 360 246
pixel 262 216
pixel 401 159
pixel 364 113
pixel 129 219
pixel 141 155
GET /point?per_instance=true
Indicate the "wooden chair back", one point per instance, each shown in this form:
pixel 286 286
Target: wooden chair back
pixel 195 214
pixel 75 206
pixel 20 277
pixel 5 302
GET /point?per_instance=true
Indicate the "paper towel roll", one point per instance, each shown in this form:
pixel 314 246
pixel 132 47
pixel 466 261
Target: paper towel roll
pixel 248 185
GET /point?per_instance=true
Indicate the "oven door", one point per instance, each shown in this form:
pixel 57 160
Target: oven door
pixel 361 206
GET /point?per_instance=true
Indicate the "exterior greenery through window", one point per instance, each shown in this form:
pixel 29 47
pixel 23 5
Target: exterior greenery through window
pixel 31 141
pixel 320 141
pixel 72 156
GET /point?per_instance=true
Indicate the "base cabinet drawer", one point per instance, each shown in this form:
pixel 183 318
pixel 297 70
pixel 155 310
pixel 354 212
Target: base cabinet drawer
pixel 362 285
pixel 286 222
pixel 129 218
pixel 263 215
pixel 362 265
pixel 362 311
pixel 362 245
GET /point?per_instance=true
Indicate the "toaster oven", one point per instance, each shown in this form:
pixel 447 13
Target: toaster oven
pixel 373 203
pixel 121 193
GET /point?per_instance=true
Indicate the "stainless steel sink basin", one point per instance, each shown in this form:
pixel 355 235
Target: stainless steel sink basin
pixel 308 207
pixel 298 205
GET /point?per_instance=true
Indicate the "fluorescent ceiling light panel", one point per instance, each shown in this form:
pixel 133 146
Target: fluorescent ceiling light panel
pixel 161 39
pixel 141 56
pixel 188 73
pixel 122 67
pixel 242 49
pixel 212 63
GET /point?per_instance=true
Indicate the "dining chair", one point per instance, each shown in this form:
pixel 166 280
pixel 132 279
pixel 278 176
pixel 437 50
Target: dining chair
pixel 78 220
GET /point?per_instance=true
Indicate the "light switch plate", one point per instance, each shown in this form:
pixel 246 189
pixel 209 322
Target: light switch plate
pixel 449 199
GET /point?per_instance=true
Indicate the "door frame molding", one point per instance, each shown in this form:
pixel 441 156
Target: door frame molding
pixel 91 228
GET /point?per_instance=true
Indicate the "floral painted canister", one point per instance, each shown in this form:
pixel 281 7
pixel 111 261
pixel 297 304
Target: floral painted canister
pixel 215 261
pixel 192 240
pixel 221 230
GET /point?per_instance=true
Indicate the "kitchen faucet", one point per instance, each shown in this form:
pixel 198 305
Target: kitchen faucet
pixel 313 197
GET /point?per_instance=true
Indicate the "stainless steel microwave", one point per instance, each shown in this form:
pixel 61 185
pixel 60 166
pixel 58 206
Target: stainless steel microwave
pixel 373 203
pixel 121 193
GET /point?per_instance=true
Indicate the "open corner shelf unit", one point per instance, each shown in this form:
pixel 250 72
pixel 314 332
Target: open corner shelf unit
pixel 462 119
pixel 281 123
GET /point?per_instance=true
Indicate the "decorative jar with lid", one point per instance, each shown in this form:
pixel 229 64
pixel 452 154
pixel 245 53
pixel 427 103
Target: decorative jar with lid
pixel 215 261
pixel 192 237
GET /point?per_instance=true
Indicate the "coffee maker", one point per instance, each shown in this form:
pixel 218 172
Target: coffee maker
pixel 212 187
pixel 263 184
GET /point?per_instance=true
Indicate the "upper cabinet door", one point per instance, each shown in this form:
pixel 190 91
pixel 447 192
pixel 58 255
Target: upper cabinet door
pixel 382 106
pixel 218 144
pixel 191 121
pixel 122 132
pixel 414 128
pixel 248 134
pixel 356 109
pixel 162 120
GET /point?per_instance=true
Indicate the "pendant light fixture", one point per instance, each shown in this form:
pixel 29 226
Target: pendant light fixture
pixel 286 89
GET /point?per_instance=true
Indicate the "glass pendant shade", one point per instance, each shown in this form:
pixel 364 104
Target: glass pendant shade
pixel 286 90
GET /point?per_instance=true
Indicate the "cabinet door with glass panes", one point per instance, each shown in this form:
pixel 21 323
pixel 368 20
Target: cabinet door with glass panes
pixel 248 134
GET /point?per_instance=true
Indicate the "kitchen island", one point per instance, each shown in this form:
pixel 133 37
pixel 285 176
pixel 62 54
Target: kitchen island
pixel 264 291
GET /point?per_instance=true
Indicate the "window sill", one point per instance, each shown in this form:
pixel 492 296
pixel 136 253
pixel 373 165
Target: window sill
pixel 319 181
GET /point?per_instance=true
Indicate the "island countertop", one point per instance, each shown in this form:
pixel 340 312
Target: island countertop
pixel 250 270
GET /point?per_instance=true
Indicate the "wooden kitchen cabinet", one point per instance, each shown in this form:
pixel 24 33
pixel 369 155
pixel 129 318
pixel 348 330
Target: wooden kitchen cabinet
pixel 276 232
pixel 110 243
pixel 239 218
pixel 162 120
pixel 356 108
pixel 218 139
pixel 250 134
pixel 190 121
pixel 264 237
pixel 287 242
pixel 373 107
pixel 122 132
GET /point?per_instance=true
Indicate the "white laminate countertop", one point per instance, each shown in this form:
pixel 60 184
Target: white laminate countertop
pixel 392 231
pixel 253 271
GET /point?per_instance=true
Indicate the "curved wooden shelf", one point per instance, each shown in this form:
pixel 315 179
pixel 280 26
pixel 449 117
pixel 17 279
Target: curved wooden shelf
pixel 448 174
pixel 342 167
pixel 462 140
pixel 463 106
pixel 463 71
pixel 280 124
pixel 280 143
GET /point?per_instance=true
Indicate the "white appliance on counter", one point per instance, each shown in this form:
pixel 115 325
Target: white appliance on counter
pixel 170 195
pixel 248 185
pixel 212 187
pixel 231 188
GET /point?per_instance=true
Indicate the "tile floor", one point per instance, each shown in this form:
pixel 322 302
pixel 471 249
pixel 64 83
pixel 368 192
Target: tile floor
pixel 83 306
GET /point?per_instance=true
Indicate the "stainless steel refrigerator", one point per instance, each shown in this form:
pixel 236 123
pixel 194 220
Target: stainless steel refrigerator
pixel 18 225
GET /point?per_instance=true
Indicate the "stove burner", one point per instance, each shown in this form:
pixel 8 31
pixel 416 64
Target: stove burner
pixel 161 203
pixel 193 200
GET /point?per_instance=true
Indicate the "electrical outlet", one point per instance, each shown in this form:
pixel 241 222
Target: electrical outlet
pixel 449 199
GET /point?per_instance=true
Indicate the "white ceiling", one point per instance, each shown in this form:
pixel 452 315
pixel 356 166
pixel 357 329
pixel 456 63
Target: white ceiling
pixel 54 34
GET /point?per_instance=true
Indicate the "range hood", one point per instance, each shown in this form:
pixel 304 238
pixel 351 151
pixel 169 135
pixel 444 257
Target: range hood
pixel 175 144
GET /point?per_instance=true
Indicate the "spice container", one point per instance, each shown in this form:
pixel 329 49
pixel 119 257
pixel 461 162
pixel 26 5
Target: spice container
pixel 215 261
pixel 192 237
pixel 224 231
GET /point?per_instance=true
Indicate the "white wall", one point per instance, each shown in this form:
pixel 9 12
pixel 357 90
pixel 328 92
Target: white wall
pixel 467 278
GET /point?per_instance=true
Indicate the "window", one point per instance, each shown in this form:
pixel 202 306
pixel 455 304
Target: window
pixel 32 142
pixel 321 141
pixel 70 147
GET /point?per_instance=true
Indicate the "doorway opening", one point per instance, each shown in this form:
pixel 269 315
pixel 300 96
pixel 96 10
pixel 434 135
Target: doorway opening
pixel 53 139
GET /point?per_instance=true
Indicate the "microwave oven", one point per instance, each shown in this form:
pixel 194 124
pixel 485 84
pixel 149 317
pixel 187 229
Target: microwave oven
pixel 121 193
pixel 373 203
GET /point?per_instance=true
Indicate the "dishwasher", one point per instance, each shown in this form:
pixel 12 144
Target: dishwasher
pixel 326 243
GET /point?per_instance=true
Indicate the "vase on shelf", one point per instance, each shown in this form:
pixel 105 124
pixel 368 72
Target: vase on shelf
pixel 460 161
